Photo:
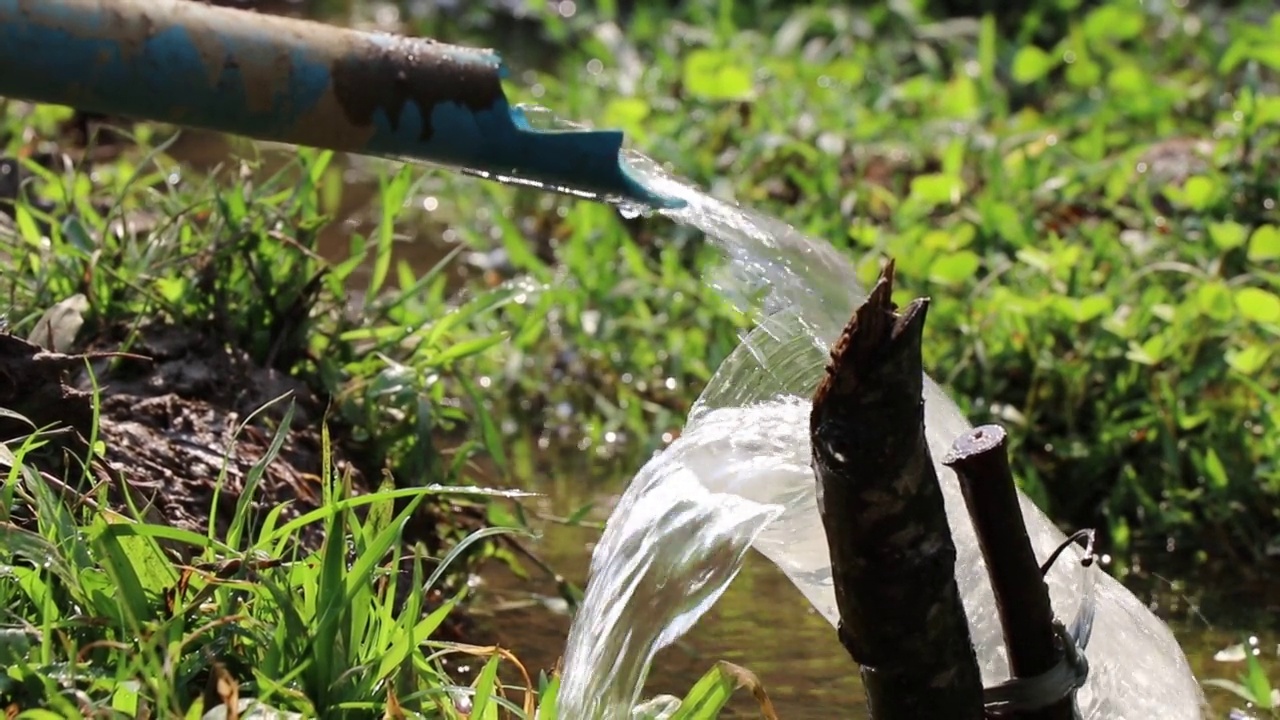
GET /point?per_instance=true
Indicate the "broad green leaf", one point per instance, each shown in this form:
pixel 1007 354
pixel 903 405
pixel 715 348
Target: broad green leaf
pixel 151 566
pixel 1264 244
pixel 936 189
pixel 716 75
pixel 1249 359
pixel 125 698
pixel 1227 235
pixel 1114 21
pixel 954 268
pixel 1213 299
pixel 1197 193
pixel 1150 352
pixel 1031 63
pixel 1258 305
pixel 1128 79
pixel 1083 310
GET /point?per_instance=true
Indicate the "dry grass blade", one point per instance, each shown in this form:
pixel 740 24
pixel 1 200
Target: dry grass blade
pixel 746 679
pixel 530 692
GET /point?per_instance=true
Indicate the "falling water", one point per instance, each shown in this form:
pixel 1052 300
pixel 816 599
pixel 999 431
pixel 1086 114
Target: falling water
pixel 739 476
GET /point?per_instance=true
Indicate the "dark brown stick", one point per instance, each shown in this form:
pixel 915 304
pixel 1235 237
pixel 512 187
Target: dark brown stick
pixel 892 559
pixel 981 461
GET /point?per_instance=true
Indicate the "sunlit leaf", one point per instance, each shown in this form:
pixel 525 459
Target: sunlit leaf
pixel 1264 244
pixel 716 75
pixel 1031 63
pixel 1258 305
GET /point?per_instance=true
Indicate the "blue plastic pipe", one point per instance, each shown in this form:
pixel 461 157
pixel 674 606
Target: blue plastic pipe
pixel 298 82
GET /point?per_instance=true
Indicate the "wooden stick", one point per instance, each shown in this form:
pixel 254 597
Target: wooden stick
pixel 892 558
pixel 981 461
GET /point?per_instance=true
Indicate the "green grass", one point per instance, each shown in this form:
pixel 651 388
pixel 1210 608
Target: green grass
pixel 100 620
pixel 1119 320
pixel 1253 687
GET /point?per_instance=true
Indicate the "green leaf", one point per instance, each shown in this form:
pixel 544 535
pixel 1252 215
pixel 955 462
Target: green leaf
pixel 1214 471
pixel 1031 63
pixel 954 268
pixel 1083 310
pixel 1249 359
pixel 627 114
pixel 960 99
pixel 1264 244
pixel 137 567
pixel 1255 679
pixel 712 692
pixel 467 348
pixel 244 504
pixel 1128 79
pixel 125 698
pixel 1197 193
pixel 1114 22
pixel 1084 73
pixel 1150 352
pixel 716 75
pixel 936 189
pixel 410 638
pixel 1258 305
pixel 150 565
pixel 483 707
pixel 1266 112
pixel 394 193
pixel 1213 299
pixel 548 699
pixel 1227 235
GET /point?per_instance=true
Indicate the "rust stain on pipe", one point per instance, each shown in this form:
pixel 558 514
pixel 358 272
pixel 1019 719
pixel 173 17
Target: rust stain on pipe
pixel 410 70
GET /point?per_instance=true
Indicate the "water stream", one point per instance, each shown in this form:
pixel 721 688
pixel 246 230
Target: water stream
pixel 739 474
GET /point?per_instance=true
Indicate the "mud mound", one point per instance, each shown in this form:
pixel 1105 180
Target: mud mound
pixel 173 426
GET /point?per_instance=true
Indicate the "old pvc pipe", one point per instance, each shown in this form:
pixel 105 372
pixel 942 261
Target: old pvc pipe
pixel 297 82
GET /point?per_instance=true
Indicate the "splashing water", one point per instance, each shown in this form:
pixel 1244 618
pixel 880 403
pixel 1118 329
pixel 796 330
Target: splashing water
pixel 739 476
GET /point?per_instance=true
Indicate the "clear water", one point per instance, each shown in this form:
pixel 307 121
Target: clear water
pixel 739 476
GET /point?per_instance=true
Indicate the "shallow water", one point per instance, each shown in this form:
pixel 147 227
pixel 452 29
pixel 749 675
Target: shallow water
pixel 801 663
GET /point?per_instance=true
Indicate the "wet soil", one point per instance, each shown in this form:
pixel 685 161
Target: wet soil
pixel 172 427
pixel 183 420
